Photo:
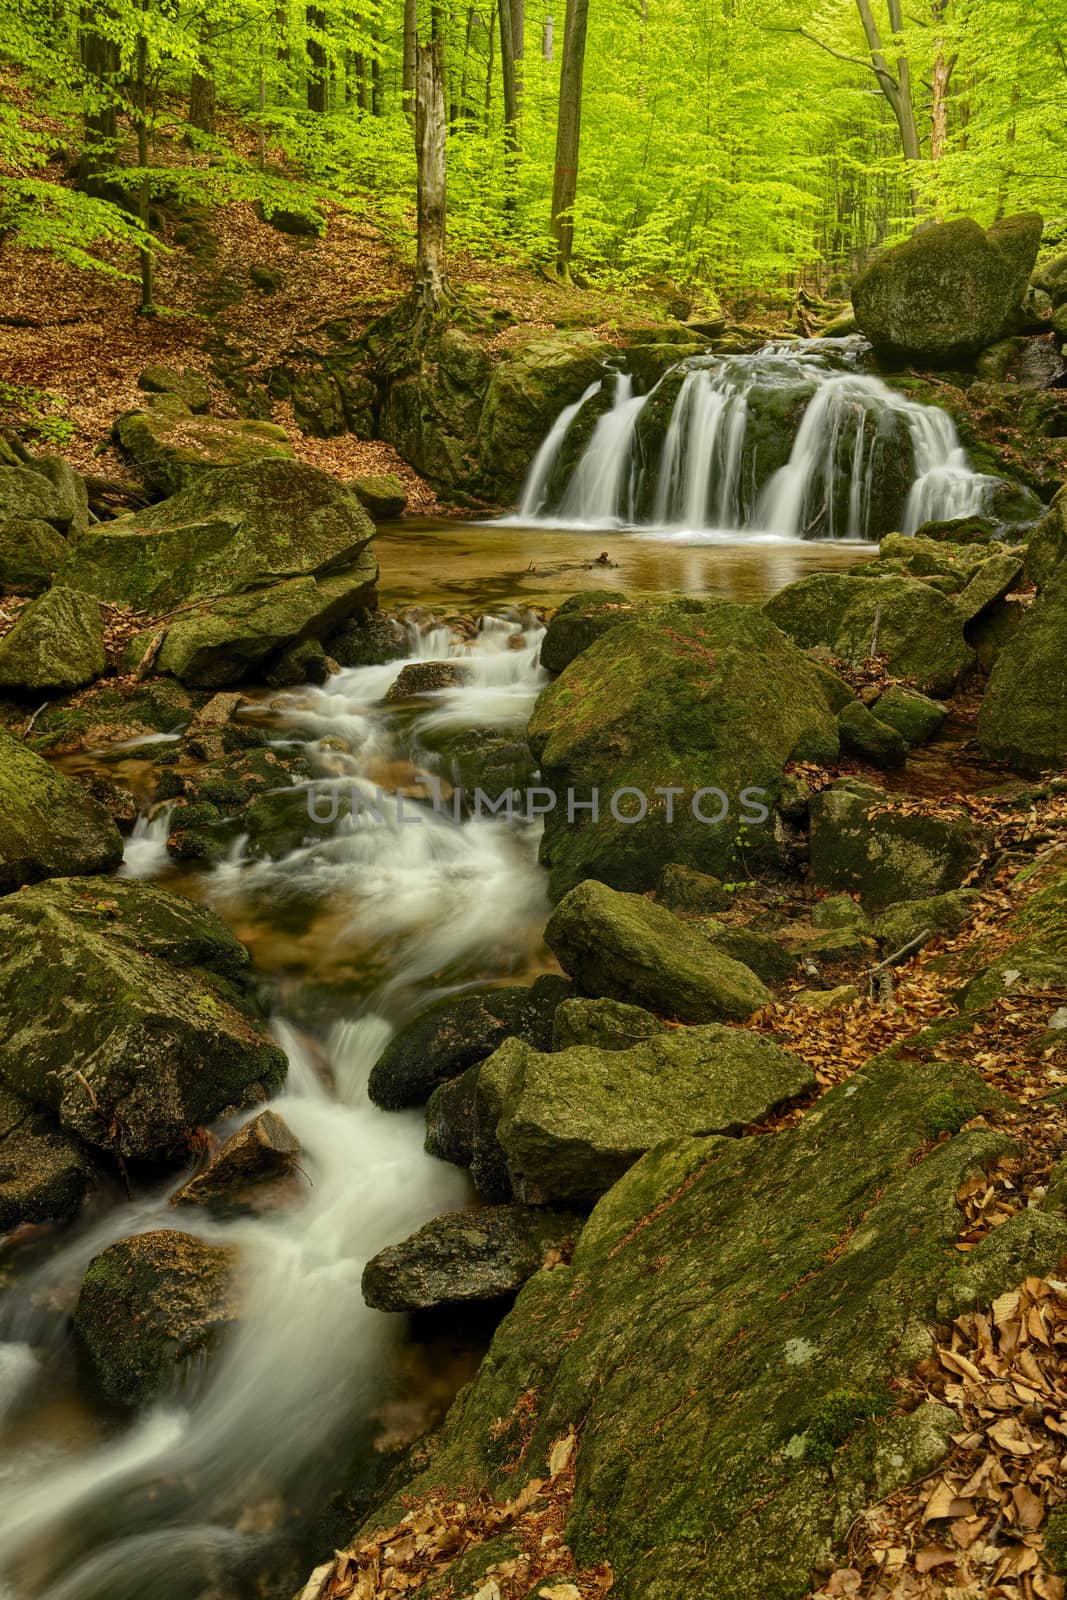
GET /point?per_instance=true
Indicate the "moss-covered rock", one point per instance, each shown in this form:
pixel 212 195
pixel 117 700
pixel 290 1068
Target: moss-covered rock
pixel 1023 717
pixel 151 1307
pixel 580 620
pixel 626 947
pixel 31 553
pixel 28 495
pixel 865 735
pixel 774 1276
pixel 384 497
pixel 56 645
pixel 762 953
pixel 467 1256
pixel 917 630
pixel 237 530
pixel 172 448
pixel 122 1011
pixel 605 1024
pixel 949 291
pixel 453 1034
pixel 569 1124
pixel 49 826
pixel 859 842
pixel 1047 545
pixel 989 583
pixel 705 699
pixel 940 914
pixel 685 889
pixel 44 1176
pixel 190 387
pixel 915 716
pixel 432 402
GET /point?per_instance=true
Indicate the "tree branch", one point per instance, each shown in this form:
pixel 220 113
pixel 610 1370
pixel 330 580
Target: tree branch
pixel 839 55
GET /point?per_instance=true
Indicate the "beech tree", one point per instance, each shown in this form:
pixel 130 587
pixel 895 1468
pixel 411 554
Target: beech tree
pixel 569 132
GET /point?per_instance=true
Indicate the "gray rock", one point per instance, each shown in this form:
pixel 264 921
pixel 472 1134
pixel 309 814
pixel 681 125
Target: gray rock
pixel 467 1256
pixel 859 842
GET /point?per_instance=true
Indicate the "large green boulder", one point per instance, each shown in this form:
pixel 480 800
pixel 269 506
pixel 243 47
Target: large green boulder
pixel 1047 545
pixel 431 404
pixel 1023 717
pixel 29 495
pixel 56 645
pixel 467 1256
pixel 525 396
pixel 625 947
pixel 724 1342
pixel 123 1010
pixel 235 530
pixel 31 553
pixel 173 448
pixel 918 630
pixel 383 497
pixel 578 622
pixel 704 698
pixel 571 1123
pixel 915 716
pixel 151 1308
pixel 949 291
pixel 228 639
pixel 860 842
pixel 44 1175
pixel 899 924
pixel 49 825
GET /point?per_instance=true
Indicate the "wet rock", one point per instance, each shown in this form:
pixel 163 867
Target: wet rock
pixel 451 1123
pixel 427 677
pixel 685 889
pixel 941 914
pixel 124 1010
pixel 1047 544
pixel 239 528
pixel 453 1034
pixel 248 1174
pixel 56 645
pixel 188 385
pixel 915 716
pixel 859 843
pixel 44 1176
pixel 578 622
pixel 949 291
pixel 467 1256
pixel 990 583
pixel 670 698
pixel 1023 717
pixel 49 825
pixel 571 1123
pixel 627 948
pixel 384 498
pixel 477 759
pixel 866 736
pixel 960 530
pixel 605 1024
pixel 31 553
pixel 301 663
pixel 119 803
pixel 172 448
pixel 150 1308
pixel 368 641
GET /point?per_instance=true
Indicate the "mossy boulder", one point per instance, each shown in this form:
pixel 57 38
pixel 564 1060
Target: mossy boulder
pixel 949 291
pixel 172 448
pixel 1047 545
pixel 865 735
pixel 150 1308
pixel 959 530
pixel 1023 717
pixel 580 620
pixel 627 948
pixel 916 629
pixel 605 1024
pixel 456 1033
pixel 49 825
pixel 384 497
pixel 31 553
pixel 239 529
pixel 432 400
pixel 44 1175
pixel 189 386
pixel 467 1256
pixel 123 1011
pixel 915 716
pixel 56 645
pixel 940 914
pixel 229 639
pixel 989 583
pixel 525 396
pixel 685 889
pixel 860 842
pixel 705 699
pixel 570 1123
pixel 781 1284
pixel 29 495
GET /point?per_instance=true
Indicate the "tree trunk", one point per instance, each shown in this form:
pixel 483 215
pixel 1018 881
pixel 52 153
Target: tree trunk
pixel 411 46
pixel 202 94
pixel 317 81
pixel 896 87
pixel 489 69
pixel 431 280
pixel 100 58
pixel 144 196
pixel 568 133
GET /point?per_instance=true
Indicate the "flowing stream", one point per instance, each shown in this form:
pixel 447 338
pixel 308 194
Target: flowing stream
pixel 792 442
pixel 383 914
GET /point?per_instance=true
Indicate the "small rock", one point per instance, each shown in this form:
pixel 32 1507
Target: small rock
pixel 218 711
pixel 189 386
pixel 384 497
pixel 44 1176
pixel 863 735
pixel 606 1024
pixel 247 1174
pixel 839 911
pixel 915 717
pixel 427 677
pixel 826 999
pixel 56 645
pixel 685 889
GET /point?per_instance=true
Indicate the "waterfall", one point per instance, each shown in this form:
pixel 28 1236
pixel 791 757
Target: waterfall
pixel 793 441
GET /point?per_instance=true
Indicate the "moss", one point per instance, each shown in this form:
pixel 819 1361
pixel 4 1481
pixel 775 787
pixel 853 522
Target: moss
pixel 947 1112
pixel 1055 1547
pixel 835 1417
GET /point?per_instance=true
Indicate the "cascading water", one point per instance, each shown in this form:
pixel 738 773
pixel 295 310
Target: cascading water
pixel 186 1498
pixel 790 441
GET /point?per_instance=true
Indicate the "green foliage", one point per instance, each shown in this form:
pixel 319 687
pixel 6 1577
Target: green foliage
pixel 947 1113
pixel 39 415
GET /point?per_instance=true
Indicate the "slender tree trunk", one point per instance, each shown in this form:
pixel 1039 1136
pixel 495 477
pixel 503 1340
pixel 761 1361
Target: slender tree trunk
pixel 518 46
pixel 548 39
pixel 144 194
pixel 318 83
pixel 895 86
pixel 100 58
pixel 569 132
pixel 431 129
pixel 202 89
pixel 281 24
pixel 489 69
pixel 462 111
pixel 411 46
pixel 944 66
